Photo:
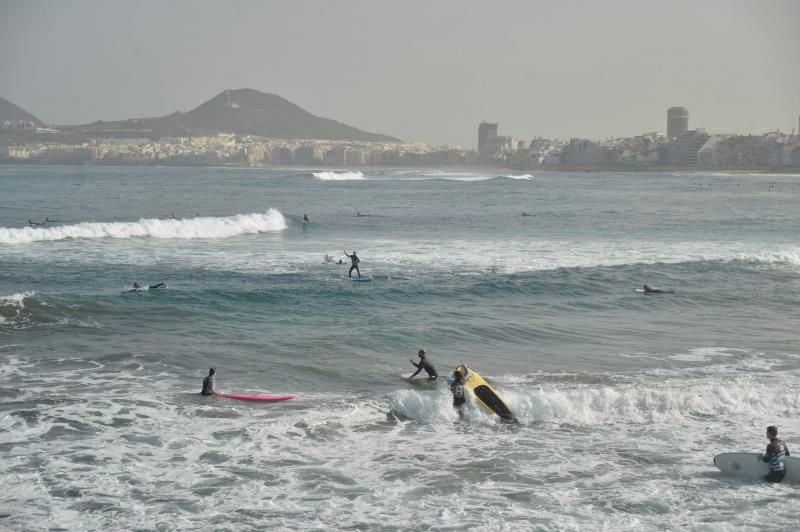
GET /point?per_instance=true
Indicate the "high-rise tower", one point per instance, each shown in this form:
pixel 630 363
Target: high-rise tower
pixel 677 121
pixel 487 132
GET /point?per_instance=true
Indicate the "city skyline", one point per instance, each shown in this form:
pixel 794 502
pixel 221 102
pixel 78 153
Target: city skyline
pixel 425 75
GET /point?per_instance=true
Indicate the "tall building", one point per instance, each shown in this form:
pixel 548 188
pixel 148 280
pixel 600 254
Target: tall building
pixel 487 132
pixel 677 121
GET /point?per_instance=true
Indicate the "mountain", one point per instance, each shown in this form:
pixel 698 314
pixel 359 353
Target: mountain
pixel 15 113
pixel 241 111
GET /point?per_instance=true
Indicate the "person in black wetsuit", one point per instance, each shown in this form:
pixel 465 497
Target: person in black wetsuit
pixel 354 260
pixel 651 290
pixel 159 285
pixel 208 383
pixel 305 218
pixel 776 452
pixel 424 364
pixel 457 387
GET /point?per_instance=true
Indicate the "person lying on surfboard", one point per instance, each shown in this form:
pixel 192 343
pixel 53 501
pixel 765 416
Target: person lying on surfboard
pixel 208 384
pixel 424 364
pixel 650 290
pixel 776 452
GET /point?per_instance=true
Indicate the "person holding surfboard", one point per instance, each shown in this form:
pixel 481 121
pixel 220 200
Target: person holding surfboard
pixel 354 260
pixel 208 383
pixel 776 452
pixel 425 364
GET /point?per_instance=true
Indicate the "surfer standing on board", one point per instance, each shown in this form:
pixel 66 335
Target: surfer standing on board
pixel 208 383
pixel 776 452
pixel 354 260
pixel 424 364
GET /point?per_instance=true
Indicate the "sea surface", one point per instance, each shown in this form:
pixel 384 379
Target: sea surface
pixel 623 399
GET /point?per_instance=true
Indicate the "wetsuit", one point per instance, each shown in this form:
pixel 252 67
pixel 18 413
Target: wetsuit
pixel 354 260
pixel 159 285
pixel 457 387
pixel 776 452
pixel 427 366
pixel 208 386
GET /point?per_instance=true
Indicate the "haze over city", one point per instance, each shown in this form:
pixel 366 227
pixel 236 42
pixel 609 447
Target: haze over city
pixel 426 72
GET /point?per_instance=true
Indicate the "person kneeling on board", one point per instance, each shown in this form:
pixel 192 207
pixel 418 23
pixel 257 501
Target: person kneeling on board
pixel 776 452
pixel 424 364
pixel 208 384
pixel 457 387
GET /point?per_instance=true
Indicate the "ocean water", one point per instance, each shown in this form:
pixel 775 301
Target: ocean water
pixel 623 398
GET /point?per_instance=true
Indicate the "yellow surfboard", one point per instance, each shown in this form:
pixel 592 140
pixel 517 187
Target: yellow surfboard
pixel 485 395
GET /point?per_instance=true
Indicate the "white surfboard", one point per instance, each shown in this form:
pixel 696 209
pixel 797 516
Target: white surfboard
pixel 750 465
pixel 420 380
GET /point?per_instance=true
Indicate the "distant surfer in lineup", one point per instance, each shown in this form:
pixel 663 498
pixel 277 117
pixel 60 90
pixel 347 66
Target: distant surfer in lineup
pixel 354 260
pixel 209 384
pixel 305 218
pixel 776 452
pixel 457 388
pixel 425 364
pixel 647 289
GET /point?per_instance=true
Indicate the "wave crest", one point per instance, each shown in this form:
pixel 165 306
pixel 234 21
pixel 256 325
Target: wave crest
pixel 338 176
pixel 189 228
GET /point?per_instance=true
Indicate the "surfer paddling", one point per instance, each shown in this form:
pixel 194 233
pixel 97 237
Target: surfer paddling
pixel 209 384
pixel 776 452
pixel 425 364
pixel 650 290
pixel 354 260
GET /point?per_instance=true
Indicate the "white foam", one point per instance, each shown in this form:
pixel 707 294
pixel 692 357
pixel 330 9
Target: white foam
pixel 16 300
pixel 188 228
pixel 525 177
pixel 338 176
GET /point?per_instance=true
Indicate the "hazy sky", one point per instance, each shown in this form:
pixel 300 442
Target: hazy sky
pixel 426 71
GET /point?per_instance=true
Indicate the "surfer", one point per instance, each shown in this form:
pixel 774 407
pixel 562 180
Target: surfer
pixel 136 287
pixel 457 387
pixel 31 223
pixel 305 218
pixel 354 260
pixel 208 383
pixel 328 258
pixel 650 290
pixel 776 452
pixel 424 364
pixel 159 285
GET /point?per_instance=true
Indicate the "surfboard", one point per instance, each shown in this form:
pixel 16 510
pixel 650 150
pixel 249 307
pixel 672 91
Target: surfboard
pixel 361 280
pixel 485 395
pixel 420 381
pixel 750 465
pixel 643 291
pixel 257 398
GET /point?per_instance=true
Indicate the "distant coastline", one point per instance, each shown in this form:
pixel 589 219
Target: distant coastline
pixel 454 168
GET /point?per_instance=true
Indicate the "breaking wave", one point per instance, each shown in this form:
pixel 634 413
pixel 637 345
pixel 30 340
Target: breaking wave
pixel 338 176
pixel 188 228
